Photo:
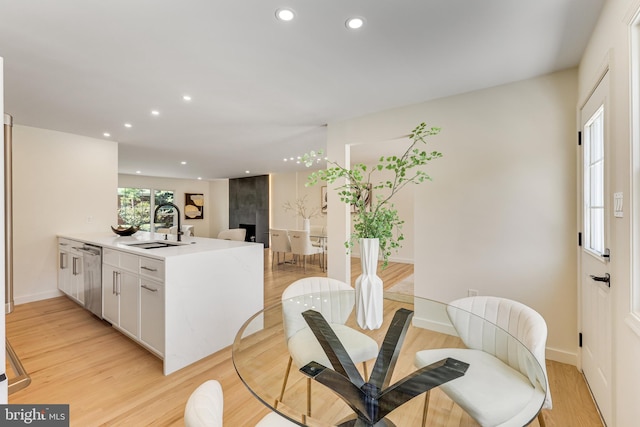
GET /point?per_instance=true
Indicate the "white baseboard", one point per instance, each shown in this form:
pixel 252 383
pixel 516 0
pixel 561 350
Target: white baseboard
pixel 562 356
pixel 391 259
pixel 37 297
pixel 550 353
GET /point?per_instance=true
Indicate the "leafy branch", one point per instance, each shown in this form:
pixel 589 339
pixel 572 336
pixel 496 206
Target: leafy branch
pixel 379 219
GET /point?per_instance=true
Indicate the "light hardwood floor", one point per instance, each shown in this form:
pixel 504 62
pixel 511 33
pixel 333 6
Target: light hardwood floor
pixel 107 379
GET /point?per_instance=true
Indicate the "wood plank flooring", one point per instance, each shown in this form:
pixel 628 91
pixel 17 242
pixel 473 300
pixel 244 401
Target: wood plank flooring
pixel 108 380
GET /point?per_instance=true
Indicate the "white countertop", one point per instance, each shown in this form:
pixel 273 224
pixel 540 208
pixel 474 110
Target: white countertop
pixel 190 245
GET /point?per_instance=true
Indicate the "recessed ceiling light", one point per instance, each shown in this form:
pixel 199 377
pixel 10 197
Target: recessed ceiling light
pixel 183 162
pixel 247 171
pixel 285 159
pixel 127 125
pixel 107 134
pixel 285 14
pixel 200 178
pixel 155 112
pixel 186 97
pixel 138 171
pixel 354 23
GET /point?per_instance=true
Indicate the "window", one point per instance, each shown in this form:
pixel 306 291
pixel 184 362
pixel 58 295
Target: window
pixel 594 183
pixel 135 206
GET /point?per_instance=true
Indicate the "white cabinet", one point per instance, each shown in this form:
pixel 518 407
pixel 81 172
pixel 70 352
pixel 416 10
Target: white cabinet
pixel 70 274
pixel 152 314
pixel 120 294
pixel 133 297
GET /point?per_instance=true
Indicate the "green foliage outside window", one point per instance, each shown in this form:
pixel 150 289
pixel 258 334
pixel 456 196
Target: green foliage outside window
pixel 134 206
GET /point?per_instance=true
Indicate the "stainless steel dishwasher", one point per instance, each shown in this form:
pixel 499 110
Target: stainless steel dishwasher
pixel 92 270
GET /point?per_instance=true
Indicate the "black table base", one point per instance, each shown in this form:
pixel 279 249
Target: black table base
pixel 372 401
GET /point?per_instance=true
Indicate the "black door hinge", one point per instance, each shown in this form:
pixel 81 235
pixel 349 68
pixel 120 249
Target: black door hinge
pixel 580 339
pixel 579 137
pixel 579 239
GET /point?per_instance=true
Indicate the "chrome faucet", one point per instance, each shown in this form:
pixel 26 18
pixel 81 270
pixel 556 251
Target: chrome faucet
pixel 155 217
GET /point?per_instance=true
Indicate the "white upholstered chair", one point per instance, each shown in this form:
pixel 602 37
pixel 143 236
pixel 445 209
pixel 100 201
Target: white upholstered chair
pixel 335 306
pixel 301 246
pixel 238 234
pixel 279 244
pixel 187 230
pixel 205 405
pixel 502 387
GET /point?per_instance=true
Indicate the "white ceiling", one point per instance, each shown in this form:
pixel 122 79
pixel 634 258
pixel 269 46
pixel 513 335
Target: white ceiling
pixel 262 89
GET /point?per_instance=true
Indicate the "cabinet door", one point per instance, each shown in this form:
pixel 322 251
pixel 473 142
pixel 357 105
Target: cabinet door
pixel 110 300
pixel 152 315
pixel 64 271
pixel 129 302
pixel 77 278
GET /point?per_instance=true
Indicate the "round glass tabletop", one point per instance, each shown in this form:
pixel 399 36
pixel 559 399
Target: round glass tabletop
pixel 308 360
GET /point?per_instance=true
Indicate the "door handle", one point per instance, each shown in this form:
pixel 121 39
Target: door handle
pixel 606 279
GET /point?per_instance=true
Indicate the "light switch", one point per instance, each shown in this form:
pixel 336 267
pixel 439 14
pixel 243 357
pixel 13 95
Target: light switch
pixel 617 205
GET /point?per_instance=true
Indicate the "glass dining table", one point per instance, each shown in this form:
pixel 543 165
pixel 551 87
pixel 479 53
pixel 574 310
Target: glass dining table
pixel 339 395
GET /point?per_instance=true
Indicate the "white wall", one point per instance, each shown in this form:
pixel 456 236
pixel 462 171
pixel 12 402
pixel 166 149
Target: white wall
pixel 219 206
pixel 609 47
pixel 62 183
pixel 500 214
pixel 216 201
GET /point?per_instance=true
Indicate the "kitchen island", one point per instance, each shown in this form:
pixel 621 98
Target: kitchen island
pixel 182 302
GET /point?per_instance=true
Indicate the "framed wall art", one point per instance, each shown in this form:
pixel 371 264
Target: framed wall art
pixel 193 205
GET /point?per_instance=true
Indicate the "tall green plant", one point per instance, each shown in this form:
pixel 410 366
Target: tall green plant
pixel 378 219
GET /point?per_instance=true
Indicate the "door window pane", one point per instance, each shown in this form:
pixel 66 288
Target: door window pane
pixel 594 183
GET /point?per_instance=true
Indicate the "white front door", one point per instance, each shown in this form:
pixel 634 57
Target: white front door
pixel 595 291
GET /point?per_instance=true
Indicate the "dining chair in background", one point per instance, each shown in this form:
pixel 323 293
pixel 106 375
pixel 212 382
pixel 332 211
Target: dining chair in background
pixel 502 386
pixel 238 234
pixel 205 407
pixel 328 297
pixel 187 230
pixel 279 244
pixel 301 246
pixel 318 236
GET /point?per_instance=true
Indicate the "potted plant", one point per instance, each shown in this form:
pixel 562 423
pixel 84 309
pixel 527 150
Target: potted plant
pixel 377 225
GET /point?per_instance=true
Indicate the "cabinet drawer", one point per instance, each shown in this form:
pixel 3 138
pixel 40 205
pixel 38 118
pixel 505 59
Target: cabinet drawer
pixel 152 268
pixel 111 257
pixel 129 262
pixel 122 260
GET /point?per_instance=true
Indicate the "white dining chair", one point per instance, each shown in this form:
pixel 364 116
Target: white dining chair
pixel 302 247
pixel 238 234
pixel 330 298
pixel 502 386
pixel 318 236
pixel 187 230
pixel 205 407
pixel 279 244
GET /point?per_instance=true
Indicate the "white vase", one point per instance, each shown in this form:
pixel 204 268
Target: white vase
pixel 369 293
pixel 306 224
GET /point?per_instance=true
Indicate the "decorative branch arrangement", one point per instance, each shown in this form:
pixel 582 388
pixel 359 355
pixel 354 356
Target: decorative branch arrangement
pixel 379 219
pixel 300 208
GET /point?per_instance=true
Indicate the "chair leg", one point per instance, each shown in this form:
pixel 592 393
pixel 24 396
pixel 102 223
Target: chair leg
pixel 541 419
pixel 286 377
pixel 426 408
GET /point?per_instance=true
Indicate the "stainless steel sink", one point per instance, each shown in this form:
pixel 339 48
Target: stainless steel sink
pixel 155 245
